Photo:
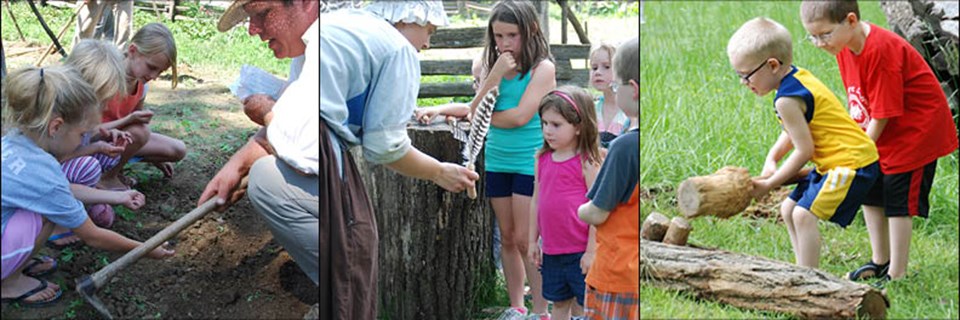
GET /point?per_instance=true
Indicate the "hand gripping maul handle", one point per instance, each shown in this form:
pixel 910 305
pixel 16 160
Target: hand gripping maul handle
pixel 88 285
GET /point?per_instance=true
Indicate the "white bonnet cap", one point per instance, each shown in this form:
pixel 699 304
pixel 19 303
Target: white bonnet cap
pixel 420 12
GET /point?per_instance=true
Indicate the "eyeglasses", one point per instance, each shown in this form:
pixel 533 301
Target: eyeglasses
pixel 614 86
pixel 746 78
pixel 822 38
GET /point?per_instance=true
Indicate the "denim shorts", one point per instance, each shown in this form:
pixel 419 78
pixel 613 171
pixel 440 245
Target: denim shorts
pixel 562 277
pixel 506 184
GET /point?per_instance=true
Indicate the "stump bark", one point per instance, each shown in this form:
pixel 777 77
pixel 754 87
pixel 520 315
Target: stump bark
pixel 722 194
pixel 435 246
pixel 757 283
pixel 654 227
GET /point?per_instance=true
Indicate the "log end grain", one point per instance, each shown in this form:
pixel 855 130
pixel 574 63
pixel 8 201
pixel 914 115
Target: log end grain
pixel 678 232
pixel 654 227
pixel 688 198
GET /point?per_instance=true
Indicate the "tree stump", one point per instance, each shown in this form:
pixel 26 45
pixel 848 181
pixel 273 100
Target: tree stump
pixel 654 227
pixel 678 232
pixel 435 246
pixel 757 283
pixel 722 194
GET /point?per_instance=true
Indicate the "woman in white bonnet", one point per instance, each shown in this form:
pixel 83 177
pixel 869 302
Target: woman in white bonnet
pixel 369 80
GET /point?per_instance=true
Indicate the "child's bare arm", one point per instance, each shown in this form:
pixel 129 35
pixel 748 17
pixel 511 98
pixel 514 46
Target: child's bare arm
pixel 587 260
pixel 543 81
pixel 791 113
pixel 533 248
pixel 129 198
pixel 425 115
pixel 875 128
pixel 777 151
pixel 591 214
pixel 111 241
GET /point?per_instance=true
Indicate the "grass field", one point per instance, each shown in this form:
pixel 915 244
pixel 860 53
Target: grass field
pixel 697 117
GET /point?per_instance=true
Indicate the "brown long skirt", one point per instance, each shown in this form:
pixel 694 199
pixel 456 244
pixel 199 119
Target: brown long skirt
pixel 348 239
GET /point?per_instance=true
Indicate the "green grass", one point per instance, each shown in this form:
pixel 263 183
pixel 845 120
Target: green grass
pixel 198 42
pixel 697 118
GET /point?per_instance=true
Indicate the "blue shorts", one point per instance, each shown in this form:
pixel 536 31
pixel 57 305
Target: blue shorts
pixel 837 195
pixel 562 278
pixel 506 184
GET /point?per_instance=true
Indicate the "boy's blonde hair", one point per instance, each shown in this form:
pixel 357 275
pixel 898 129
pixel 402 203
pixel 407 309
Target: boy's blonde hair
pixel 832 11
pixel 761 38
pixel 626 62
pixel 155 38
pixel 101 64
pixel 610 49
pixel 37 95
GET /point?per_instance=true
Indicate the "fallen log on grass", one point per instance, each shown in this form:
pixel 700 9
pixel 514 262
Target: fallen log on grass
pixel 757 283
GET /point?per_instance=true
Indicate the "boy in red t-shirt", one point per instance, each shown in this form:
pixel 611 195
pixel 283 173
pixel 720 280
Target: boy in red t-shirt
pixel 895 97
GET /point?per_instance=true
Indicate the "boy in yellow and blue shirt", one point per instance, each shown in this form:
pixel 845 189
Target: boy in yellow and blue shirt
pixel 815 126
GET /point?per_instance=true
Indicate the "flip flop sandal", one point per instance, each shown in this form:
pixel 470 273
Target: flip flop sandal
pixel 35 261
pixel 869 270
pixel 38 304
pixel 50 241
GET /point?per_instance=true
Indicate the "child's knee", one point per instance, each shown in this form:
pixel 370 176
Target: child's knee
pixel 178 150
pixel 139 132
pixel 83 170
pixel 803 217
pixel 564 304
pixel 786 211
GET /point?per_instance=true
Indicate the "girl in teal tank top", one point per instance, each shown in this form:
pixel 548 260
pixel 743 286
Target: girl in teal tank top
pixel 511 150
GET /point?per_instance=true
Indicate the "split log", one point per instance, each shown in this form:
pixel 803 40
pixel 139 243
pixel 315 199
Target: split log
pixel 722 194
pixel 757 283
pixel 678 232
pixel 654 227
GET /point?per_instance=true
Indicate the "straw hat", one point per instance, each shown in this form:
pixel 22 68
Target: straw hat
pixel 232 16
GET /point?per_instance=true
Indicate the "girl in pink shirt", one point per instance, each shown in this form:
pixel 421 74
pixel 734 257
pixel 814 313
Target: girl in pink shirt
pixel 566 167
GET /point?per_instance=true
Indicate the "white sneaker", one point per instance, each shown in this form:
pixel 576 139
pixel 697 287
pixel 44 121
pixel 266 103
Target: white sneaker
pixel 518 313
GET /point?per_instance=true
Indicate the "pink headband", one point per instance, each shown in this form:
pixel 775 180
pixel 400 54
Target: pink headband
pixel 568 99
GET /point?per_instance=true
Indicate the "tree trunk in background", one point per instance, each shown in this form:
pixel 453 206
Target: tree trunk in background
pixel 757 283
pixel 932 28
pixel 435 246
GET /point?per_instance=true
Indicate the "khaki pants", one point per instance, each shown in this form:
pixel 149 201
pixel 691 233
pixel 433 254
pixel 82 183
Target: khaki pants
pixel 118 30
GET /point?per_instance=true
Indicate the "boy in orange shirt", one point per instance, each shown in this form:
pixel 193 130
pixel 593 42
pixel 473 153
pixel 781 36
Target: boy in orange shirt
pixel 894 96
pixel 613 282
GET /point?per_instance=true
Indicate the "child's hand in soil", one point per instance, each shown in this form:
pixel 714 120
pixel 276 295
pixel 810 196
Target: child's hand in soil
pixel 132 199
pixel 161 252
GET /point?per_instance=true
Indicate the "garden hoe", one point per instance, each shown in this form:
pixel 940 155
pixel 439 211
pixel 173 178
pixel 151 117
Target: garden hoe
pixel 88 285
